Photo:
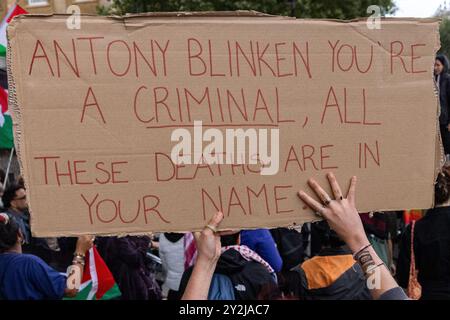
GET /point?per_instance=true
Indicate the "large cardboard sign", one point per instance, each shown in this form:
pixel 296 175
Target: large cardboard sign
pixel 154 122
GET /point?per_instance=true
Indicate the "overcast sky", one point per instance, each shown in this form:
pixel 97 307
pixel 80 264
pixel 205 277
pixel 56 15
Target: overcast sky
pixel 418 8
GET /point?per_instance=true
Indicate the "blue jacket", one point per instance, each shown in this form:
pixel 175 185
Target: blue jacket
pixel 27 277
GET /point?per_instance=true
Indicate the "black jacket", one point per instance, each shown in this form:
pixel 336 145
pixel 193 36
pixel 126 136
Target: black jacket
pixel 3 79
pixel 432 252
pixel 250 278
pixel 444 95
pixel 290 245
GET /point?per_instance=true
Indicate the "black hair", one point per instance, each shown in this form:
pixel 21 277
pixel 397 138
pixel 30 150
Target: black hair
pixel 2 176
pixel 173 237
pixel 230 240
pixel 10 194
pixel 443 59
pixel 327 237
pixel 442 186
pixel 8 234
pixel 21 182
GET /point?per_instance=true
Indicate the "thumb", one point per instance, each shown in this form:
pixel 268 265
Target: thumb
pixel 216 219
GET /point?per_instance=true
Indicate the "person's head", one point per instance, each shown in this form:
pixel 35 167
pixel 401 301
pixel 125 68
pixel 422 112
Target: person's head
pixel 173 237
pixel 327 237
pixel 440 64
pixel 10 234
pixel 231 239
pixel 442 186
pixel 15 197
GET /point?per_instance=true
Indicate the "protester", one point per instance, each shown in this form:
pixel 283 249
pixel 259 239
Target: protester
pixel 171 252
pixel 235 272
pixel 15 203
pixel 431 246
pixel 441 68
pixel 262 242
pixel 126 257
pixel 209 250
pixel 16 206
pixel 343 218
pixel 27 277
pixel 333 274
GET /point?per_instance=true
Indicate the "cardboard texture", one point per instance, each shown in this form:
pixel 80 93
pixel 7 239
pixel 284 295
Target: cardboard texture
pixel 95 108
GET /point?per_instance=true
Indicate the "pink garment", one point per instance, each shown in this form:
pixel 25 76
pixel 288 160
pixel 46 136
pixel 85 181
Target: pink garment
pixel 190 250
pixel 248 254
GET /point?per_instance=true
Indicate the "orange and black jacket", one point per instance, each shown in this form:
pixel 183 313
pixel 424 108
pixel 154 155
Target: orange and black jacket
pixel 331 275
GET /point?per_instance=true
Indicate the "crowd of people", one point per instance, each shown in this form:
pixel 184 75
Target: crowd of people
pixel 331 259
pixel 347 255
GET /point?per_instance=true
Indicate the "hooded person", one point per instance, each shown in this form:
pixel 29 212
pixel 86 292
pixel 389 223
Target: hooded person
pixel 442 78
pixel 240 274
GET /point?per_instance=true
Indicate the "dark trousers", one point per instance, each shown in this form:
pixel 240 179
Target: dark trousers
pixel 445 134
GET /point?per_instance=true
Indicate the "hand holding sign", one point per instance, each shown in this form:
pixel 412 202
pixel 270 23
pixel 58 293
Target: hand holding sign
pixel 339 210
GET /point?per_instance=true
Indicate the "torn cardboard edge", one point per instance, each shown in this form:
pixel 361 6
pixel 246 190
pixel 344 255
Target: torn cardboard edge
pixel 440 154
pixel 220 14
pixel 16 114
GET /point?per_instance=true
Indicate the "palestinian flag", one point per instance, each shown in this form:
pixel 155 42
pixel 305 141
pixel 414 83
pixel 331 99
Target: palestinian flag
pixel 6 133
pixel 97 282
pixel 6 127
pixel 14 11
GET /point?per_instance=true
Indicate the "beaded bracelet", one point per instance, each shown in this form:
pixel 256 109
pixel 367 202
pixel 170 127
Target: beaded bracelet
pixel 78 259
pixel 355 256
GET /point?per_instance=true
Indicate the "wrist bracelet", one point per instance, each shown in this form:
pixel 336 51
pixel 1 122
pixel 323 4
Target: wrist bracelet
pixel 356 254
pixel 82 255
pixel 366 261
pixel 369 270
pixel 78 259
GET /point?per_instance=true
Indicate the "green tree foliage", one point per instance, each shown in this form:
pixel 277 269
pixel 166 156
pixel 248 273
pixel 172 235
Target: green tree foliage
pixel 444 30
pixel 342 9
